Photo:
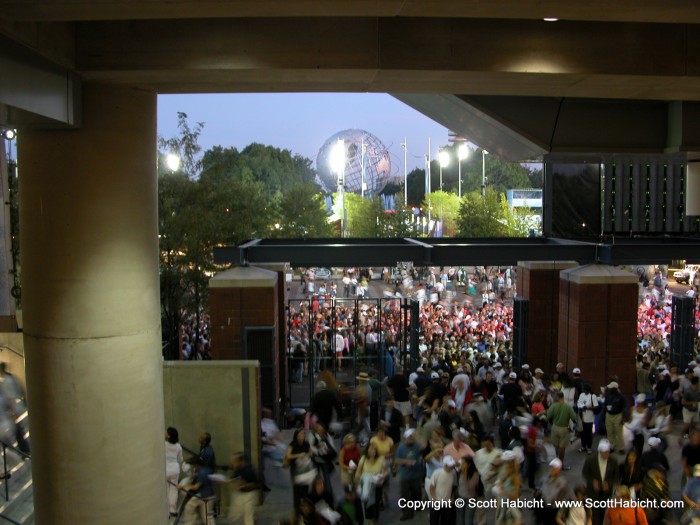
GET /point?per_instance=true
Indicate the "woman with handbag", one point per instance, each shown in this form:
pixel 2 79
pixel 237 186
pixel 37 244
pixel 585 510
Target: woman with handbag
pixel 303 470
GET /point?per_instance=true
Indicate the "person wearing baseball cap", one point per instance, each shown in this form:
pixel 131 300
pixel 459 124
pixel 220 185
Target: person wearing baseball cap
pixel 512 393
pixel 654 457
pixel 409 460
pixel 553 487
pixel 614 407
pixel 601 474
pixel 440 489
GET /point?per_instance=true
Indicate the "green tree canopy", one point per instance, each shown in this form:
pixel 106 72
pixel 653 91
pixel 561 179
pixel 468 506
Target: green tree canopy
pixel 277 169
pixel 302 214
pixel 490 216
pixel 443 207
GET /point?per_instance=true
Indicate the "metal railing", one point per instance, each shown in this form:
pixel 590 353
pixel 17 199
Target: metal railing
pixel 189 495
pixel 6 473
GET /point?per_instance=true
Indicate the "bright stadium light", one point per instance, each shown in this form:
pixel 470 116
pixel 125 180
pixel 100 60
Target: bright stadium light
pixel 337 157
pixel 172 160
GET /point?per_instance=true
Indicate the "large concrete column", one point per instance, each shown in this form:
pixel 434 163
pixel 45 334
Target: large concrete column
pixel 598 324
pixel 88 201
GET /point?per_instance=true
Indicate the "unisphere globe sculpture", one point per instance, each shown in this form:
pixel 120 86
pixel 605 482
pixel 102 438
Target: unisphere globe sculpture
pixel 377 164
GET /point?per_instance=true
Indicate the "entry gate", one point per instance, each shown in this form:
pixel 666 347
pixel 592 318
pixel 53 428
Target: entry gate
pixel 336 339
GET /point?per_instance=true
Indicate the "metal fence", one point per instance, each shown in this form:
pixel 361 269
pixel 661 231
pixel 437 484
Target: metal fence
pixel 345 337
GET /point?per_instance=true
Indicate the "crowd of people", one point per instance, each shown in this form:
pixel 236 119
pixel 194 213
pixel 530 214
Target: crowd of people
pixel 192 485
pixel 466 423
pixel 332 334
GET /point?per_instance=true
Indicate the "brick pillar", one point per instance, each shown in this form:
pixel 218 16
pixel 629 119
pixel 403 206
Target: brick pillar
pixel 538 281
pixel 282 271
pixel 246 299
pixel 598 323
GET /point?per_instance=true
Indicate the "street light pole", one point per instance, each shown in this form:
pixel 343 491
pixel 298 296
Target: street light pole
pixel 405 172
pixel 483 173
pixel 362 188
pixel 337 161
pixel 444 159
pixel 462 153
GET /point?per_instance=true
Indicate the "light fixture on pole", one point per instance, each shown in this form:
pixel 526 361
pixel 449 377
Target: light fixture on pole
pixel 172 160
pixel 363 150
pixel 337 162
pixel 462 153
pixel 404 145
pixel 444 158
pixel 483 172
pixel 9 134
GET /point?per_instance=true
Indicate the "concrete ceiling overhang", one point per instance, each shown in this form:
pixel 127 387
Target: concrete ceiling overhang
pixel 521 128
pixel 658 11
pixel 527 83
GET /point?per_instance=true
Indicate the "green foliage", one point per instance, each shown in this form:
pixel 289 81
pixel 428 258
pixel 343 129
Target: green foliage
pixel 416 187
pixel 276 169
pixel 490 216
pixel 186 145
pixel 443 207
pixel 302 214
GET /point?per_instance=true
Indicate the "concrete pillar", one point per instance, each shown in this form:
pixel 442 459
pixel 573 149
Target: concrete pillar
pixel 538 281
pixel 598 324
pixel 92 313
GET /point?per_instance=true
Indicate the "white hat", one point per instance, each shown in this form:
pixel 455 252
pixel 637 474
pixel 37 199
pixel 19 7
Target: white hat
pixel 409 432
pixel 513 375
pixel 604 445
pixel 665 373
pixel 640 399
pixel 434 375
pixel 613 384
pixel 539 371
pixel 420 369
pixel 556 463
pixel 526 367
pixel 576 371
pixel 448 461
pixel 654 442
pixel 498 365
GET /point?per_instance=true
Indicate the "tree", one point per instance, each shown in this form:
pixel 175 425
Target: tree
pixel 490 216
pixel 444 207
pixel 398 223
pixel 302 214
pixel 416 186
pixel 277 169
pixel 186 146
pixel 363 215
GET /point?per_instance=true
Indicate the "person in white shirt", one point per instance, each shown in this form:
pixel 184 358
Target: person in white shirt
pixel 173 463
pixel 587 405
pixel 441 483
